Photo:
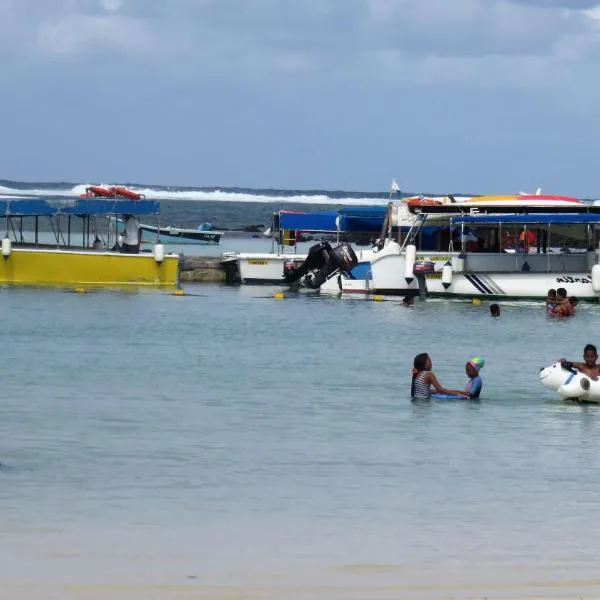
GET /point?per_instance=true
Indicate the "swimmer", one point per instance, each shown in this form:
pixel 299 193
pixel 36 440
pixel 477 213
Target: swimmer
pixel 407 301
pixel 551 300
pixel 474 385
pixel 494 310
pixel 423 378
pixel 588 366
pixel 562 307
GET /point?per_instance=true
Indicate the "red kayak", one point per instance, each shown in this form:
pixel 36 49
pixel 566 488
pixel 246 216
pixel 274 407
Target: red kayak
pixel 118 190
pixel 98 190
pixel 115 191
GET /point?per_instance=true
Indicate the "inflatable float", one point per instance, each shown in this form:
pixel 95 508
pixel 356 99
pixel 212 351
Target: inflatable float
pixel 569 383
pixel 448 397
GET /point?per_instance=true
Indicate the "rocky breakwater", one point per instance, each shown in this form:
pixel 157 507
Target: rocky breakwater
pixel 201 269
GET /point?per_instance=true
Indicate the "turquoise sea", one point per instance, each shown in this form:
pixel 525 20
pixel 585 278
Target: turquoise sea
pixel 226 444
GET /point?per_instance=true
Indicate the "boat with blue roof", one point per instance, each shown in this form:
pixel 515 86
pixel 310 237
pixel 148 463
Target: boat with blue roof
pixel 62 242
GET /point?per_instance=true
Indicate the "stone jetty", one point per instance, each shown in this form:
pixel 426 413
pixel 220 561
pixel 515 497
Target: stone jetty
pixel 201 269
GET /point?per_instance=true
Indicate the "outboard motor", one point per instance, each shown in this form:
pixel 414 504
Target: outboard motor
pixel 421 269
pixel 318 255
pixel 322 261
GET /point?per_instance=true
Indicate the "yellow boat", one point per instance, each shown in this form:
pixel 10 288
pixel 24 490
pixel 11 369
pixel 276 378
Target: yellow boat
pixel 26 262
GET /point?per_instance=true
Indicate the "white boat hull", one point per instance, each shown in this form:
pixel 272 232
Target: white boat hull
pixel 511 285
pixel 261 268
pixel 339 284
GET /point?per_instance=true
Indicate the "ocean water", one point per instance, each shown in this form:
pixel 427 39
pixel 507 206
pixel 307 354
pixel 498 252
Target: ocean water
pixel 226 444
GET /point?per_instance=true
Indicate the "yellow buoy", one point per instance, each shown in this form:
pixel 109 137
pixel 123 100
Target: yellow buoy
pixel 80 290
pixel 377 298
pixel 279 295
pixel 476 301
pixel 178 293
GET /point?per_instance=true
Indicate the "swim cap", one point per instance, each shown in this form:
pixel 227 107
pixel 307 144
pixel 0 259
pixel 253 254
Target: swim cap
pixel 477 363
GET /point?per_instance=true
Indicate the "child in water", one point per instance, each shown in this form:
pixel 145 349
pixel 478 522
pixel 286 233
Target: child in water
pixel 588 366
pixel 474 385
pixel 423 379
pixel 551 300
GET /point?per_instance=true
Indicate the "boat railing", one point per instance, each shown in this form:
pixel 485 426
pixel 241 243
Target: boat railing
pixel 535 263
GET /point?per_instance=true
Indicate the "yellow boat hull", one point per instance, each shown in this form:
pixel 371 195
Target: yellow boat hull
pixel 67 268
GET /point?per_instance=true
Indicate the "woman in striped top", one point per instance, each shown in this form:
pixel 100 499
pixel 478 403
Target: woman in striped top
pixel 423 379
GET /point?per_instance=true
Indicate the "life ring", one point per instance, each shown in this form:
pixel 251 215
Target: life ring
pixel 569 383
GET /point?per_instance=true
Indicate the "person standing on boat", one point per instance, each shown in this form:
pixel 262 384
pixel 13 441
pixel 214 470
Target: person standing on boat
pixel 132 235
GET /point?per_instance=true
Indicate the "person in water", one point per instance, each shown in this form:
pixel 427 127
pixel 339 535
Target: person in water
pixel 588 366
pixel 423 378
pixel 562 307
pixel 551 300
pixel 474 385
pixel 566 306
pixel 494 310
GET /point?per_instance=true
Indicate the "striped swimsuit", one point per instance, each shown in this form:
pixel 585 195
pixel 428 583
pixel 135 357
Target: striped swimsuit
pixel 421 390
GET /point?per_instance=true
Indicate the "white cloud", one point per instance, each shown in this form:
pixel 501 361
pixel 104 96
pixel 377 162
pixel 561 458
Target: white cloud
pixel 479 42
pixel 79 35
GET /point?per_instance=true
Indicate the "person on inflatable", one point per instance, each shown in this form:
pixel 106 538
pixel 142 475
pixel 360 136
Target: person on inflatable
pixel 588 366
pixel 474 385
pixel 423 378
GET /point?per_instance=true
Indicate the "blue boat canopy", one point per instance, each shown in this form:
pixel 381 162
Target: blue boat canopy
pixel 64 205
pixel 345 219
pixel 534 219
pixel 314 221
pixel 360 218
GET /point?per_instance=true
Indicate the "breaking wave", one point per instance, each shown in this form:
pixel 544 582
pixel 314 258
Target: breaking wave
pixel 318 197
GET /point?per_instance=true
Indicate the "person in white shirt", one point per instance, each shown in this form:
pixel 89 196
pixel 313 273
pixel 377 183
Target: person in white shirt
pixel 132 237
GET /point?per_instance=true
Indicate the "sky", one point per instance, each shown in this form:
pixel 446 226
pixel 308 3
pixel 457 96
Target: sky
pixel 473 96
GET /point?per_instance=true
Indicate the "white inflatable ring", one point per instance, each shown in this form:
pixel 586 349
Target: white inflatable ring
pixel 570 383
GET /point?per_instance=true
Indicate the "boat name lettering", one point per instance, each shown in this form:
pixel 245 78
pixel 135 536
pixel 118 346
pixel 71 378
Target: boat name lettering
pixel 569 279
pixel 432 258
pixel 256 261
pixel 437 275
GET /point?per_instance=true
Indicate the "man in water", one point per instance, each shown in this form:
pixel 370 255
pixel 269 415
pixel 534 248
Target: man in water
pixel 494 310
pixel 588 366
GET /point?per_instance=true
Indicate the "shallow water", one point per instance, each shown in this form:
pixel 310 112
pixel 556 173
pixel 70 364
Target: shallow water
pixel 272 446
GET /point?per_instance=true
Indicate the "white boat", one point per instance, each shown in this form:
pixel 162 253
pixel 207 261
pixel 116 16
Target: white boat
pixel 501 273
pixel 286 231
pixel 524 272
pixel 259 268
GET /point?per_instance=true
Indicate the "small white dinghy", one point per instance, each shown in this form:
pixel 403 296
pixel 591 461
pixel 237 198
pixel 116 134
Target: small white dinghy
pixel 570 383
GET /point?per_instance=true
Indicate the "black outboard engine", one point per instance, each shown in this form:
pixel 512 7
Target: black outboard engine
pixel 318 255
pixel 321 263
